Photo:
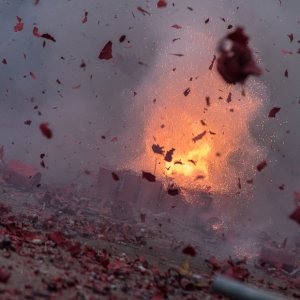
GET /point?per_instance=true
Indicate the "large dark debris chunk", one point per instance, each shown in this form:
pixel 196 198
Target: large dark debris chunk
pixel 236 62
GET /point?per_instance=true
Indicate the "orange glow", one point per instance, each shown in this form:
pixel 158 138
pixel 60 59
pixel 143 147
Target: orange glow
pixel 227 154
pixel 193 163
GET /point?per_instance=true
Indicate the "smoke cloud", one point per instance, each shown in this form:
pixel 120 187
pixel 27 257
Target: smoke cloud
pixel 99 110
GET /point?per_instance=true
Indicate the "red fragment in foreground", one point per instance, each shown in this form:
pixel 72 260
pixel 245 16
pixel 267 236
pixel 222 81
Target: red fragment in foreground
pixel 261 166
pixel 4 276
pixel 21 175
pixel 235 62
pixel 46 131
pixel 295 215
pixel 274 111
pixel 19 26
pixel 106 52
pixel 162 3
pixel 44 35
pixel 189 250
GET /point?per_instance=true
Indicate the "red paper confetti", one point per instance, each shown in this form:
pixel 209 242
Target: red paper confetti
pixel 186 92
pixel 236 270
pixel 32 75
pixel 115 176
pixel 1 153
pixel 199 136
pixel 28 122
pixel 212 62
pixel 173 191
pixel 291 37
pixel 296 197
pixel 143 217
pixel 75 249
pixel 295 215
pixel 46 131
pixel 122 38
pixel 189 250
pixel 19 26
pixel 169 155
pixel 4 275
pixel 286 73
pixel 158 149
pixel 150 177
pixel 213 263
pixel 261 165
pixel 236 63
pixel 285 52
pixel 36 32
pixel 274 111
pixel 57 237
pixel 4 61
pixel 143 11
pixel 106 52
pixel 162 3
pixel 176 26
pixel 239 183
pixel 207 99
pixel 84 20
pixel 229 98
pixel 47 36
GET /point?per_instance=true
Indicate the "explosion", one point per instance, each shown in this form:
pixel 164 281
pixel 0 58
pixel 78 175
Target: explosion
pixel 202 120
pixel 192 164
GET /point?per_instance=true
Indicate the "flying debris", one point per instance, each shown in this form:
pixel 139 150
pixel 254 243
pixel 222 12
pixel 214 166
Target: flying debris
pixel 235 62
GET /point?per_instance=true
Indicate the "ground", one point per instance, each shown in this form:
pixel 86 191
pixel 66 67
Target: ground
pixel 59 245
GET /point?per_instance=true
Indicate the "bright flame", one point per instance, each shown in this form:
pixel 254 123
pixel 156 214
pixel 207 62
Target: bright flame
pixel 193 164
pixel 222 159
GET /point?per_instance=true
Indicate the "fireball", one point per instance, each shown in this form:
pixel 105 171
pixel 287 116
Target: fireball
pixel 205 121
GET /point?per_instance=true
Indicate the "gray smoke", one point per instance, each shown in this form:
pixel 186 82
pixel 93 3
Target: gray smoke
pixel 94 113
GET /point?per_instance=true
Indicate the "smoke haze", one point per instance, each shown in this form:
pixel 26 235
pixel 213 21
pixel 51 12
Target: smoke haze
pixel 99 110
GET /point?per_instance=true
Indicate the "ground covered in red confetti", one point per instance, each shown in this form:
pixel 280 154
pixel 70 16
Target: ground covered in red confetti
pixel 56 244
